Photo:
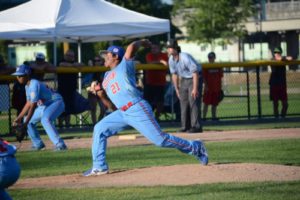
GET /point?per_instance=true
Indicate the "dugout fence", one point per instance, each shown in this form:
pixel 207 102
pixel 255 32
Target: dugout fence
pixel 245 86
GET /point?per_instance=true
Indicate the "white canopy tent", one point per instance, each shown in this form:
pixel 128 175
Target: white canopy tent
pixel 76 21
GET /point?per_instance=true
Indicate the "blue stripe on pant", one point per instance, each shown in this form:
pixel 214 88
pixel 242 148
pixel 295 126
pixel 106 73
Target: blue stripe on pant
pixel 140 117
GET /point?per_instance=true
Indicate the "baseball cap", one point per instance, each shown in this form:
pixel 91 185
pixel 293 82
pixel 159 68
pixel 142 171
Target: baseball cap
pixel 40 56
pixel 211 55
pixel 172 43
pixel 22 70
pixel 278 50
pixel 117 50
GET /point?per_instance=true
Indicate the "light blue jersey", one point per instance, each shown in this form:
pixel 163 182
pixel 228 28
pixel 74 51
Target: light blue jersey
pixel 185 66
pixel 50 106
pixel 39 92
pixel 120 84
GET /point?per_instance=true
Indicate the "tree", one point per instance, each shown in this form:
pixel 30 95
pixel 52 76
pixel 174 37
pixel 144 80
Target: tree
pixel 207 21
pixel 155 8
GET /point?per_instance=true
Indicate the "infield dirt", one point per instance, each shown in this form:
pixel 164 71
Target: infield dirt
pixel 177 174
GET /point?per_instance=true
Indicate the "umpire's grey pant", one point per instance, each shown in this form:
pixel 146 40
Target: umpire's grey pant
pixel 190 107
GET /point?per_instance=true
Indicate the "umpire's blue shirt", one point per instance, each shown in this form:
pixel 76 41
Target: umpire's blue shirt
pixel 185 66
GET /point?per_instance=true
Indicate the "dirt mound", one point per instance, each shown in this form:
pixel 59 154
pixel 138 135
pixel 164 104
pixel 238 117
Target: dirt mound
pixel 170 175
pixel 177 174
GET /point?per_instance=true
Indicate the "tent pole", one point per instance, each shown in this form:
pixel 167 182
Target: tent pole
pixel 55 59
pixel 54 52
pixel 172 88
pixel 79 61
pixel 79 76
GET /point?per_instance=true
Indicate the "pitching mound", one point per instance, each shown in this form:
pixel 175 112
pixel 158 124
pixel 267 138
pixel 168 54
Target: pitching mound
pixel 170 175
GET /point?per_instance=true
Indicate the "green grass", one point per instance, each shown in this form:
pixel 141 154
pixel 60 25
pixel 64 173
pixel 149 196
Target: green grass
pixel 46 163
pixel 230 191
pixel 277 151
pixel 237 107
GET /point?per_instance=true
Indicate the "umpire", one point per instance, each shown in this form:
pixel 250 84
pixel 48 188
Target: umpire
pixel 187 80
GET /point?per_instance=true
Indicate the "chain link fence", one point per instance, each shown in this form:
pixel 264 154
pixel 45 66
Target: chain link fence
pixel 246 97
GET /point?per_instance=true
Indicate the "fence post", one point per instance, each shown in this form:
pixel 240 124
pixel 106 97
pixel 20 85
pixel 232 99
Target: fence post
pixel 9 112
pixel 248 95
pixel 258 91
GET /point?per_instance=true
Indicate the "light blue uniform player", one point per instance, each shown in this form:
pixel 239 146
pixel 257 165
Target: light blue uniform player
pixel 9 168
pixel 43 105
pixel 120 86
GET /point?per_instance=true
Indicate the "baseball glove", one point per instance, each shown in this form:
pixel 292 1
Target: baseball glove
pixel 95 86
pixel 20 131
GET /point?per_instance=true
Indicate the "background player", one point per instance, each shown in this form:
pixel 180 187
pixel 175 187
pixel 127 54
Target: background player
pixel 212 79
pixel 277 82
pixel 43 105
pixel 120 86
pixel 155 80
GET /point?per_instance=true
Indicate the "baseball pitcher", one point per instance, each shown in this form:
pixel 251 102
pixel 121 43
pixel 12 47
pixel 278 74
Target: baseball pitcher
pixel 120 86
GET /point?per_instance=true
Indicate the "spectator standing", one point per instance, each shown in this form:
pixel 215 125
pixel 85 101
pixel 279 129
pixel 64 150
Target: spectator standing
pixel 42 105
pixel 212 79
pixel 155 80
pixel 67 87
pixel 97 76
pixel 278 86
pixel 187 80
pixel 40 66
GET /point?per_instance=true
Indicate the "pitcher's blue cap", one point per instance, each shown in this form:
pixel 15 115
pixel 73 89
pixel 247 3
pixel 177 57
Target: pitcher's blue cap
pixel 117 50
pixel 22 70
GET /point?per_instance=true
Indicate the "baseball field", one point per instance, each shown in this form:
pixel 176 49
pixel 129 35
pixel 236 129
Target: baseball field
pixel 251 163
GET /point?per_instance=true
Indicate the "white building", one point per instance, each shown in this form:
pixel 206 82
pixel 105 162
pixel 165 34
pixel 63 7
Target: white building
pixel 278 24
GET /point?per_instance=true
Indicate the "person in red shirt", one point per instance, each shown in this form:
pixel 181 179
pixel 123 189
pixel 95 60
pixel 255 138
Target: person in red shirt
pixel 155 80
pixel 212 88
pixel 278 86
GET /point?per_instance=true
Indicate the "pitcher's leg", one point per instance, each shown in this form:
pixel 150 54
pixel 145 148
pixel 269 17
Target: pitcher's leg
pixel 148 126
pixel 108 126
pixel 50 114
